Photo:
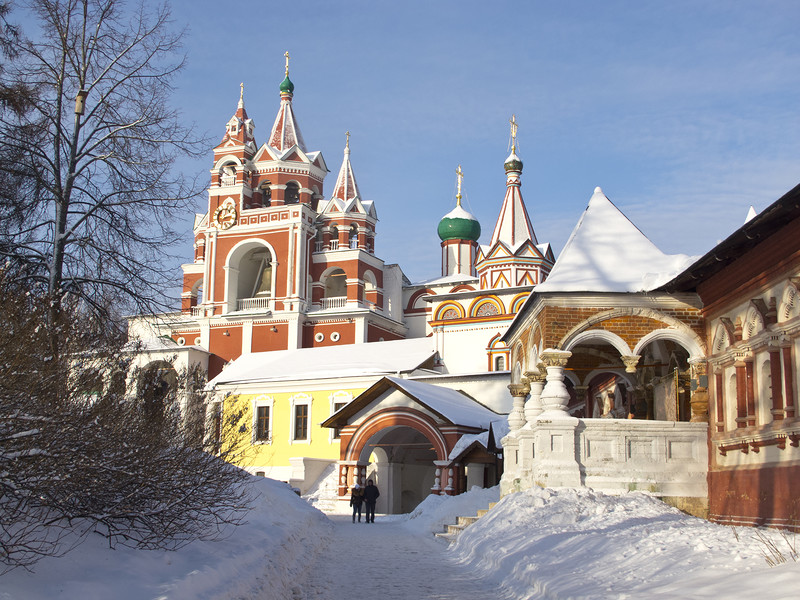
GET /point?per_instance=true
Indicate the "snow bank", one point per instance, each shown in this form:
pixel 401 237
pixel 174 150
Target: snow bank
pixel 576 543
pixel 264 557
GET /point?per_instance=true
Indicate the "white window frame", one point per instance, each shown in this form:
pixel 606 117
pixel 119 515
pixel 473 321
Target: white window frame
pixel 298 400
pixel 337 398
pixel 258 401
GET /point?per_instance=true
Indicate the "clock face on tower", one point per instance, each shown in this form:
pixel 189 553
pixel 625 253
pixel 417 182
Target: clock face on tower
pixel 225 216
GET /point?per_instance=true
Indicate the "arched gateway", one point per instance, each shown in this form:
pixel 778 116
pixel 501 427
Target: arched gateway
pixel 403 433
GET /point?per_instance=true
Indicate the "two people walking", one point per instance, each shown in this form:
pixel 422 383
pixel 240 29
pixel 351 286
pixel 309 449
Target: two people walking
pixel 367 495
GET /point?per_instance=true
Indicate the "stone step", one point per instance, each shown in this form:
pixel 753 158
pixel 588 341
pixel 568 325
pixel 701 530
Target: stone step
pixel 452 531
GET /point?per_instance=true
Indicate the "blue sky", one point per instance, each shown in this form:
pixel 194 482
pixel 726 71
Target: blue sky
pixel 685 113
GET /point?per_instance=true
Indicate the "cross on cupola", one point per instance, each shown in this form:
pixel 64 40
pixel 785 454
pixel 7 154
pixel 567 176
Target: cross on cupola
pixel 460 175
pixel 286 54
pixel 513 122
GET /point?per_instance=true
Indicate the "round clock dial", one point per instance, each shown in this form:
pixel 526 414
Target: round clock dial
pixel 225 216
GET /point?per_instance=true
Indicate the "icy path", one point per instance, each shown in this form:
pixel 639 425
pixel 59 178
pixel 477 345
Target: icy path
pixel 387 560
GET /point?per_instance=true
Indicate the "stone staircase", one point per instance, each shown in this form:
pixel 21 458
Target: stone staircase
pixel 452 531
pixel 324 493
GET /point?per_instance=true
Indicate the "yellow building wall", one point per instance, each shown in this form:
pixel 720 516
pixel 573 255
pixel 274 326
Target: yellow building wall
pixel 281 446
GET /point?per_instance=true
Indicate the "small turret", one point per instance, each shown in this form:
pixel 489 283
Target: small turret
pixel 459 231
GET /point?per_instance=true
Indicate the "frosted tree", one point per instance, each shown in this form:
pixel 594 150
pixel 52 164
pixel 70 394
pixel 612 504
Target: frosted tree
pixel 93 153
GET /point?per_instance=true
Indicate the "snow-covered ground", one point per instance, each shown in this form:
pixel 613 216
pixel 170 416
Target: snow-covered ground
pixel 533 544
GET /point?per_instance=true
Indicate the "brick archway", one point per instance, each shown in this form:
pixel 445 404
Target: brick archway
pixel 394 417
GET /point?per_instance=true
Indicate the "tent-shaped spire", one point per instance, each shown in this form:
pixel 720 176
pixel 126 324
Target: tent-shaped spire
pixel 239 129
pixel 608 253
pixel 286 132
pixel 346 188
pixel 513 226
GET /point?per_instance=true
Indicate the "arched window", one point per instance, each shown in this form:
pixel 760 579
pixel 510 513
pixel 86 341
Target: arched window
pixel 292 195
pixel 255 279
pixel 353 236
pixel 266 195
pixel 499 363
pixel 335 289
pixel 227 174
pixel 370 288
pixel 334 238
pixel 197 293
pixel 319 242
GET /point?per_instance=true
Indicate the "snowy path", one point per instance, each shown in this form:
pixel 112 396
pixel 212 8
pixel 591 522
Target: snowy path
pixel 387 560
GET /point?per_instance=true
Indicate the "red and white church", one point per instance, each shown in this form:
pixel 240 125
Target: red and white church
pixel 604 375
pixel 282 268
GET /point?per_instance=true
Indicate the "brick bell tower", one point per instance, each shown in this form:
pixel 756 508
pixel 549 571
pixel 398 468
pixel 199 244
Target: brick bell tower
pixel 270 272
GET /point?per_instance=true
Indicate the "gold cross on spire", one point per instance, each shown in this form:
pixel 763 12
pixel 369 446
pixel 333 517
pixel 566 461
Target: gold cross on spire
pixel 460 175
pixel 241 92
pixel 286 54
pixel 513 122
pixel 347 145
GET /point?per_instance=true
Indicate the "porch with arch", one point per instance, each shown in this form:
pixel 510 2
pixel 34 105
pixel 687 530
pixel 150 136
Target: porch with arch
pixel 617 402
pixel 401 434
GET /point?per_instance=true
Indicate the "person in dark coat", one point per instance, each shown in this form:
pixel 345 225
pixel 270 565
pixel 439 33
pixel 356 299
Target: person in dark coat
pixel 356 498
pixel 371 494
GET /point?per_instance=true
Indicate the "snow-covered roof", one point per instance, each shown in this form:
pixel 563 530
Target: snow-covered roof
pixel 459 213
pixel 375 358
pixel 453 278
pixel 453 405
pixel 608 253
pixel 499 431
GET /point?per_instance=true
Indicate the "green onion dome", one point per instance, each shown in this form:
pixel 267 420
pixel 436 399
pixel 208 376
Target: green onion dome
pixel 287 86
pixel 513 162
pixel 458 224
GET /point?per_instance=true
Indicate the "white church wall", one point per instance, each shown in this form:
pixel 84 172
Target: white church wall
pixel 490 389
pixel 393 293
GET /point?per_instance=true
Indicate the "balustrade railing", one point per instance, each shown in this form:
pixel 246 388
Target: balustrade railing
pixel 263 303
pixel 335 302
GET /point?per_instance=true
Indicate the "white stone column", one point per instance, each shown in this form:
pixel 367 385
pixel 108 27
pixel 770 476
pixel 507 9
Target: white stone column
pixel 437 480
pixel 516 418
pixel 555 396
pixel 533 406
pixel 555 462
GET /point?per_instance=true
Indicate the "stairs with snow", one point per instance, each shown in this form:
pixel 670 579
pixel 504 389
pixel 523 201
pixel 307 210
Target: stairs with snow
pixel 324 493
pixel 452 531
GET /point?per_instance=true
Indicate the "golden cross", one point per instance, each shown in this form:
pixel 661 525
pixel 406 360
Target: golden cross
pixel 460 174
pixel 347 133
pixel 286 54
pixel 513 122
pixel 241 92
